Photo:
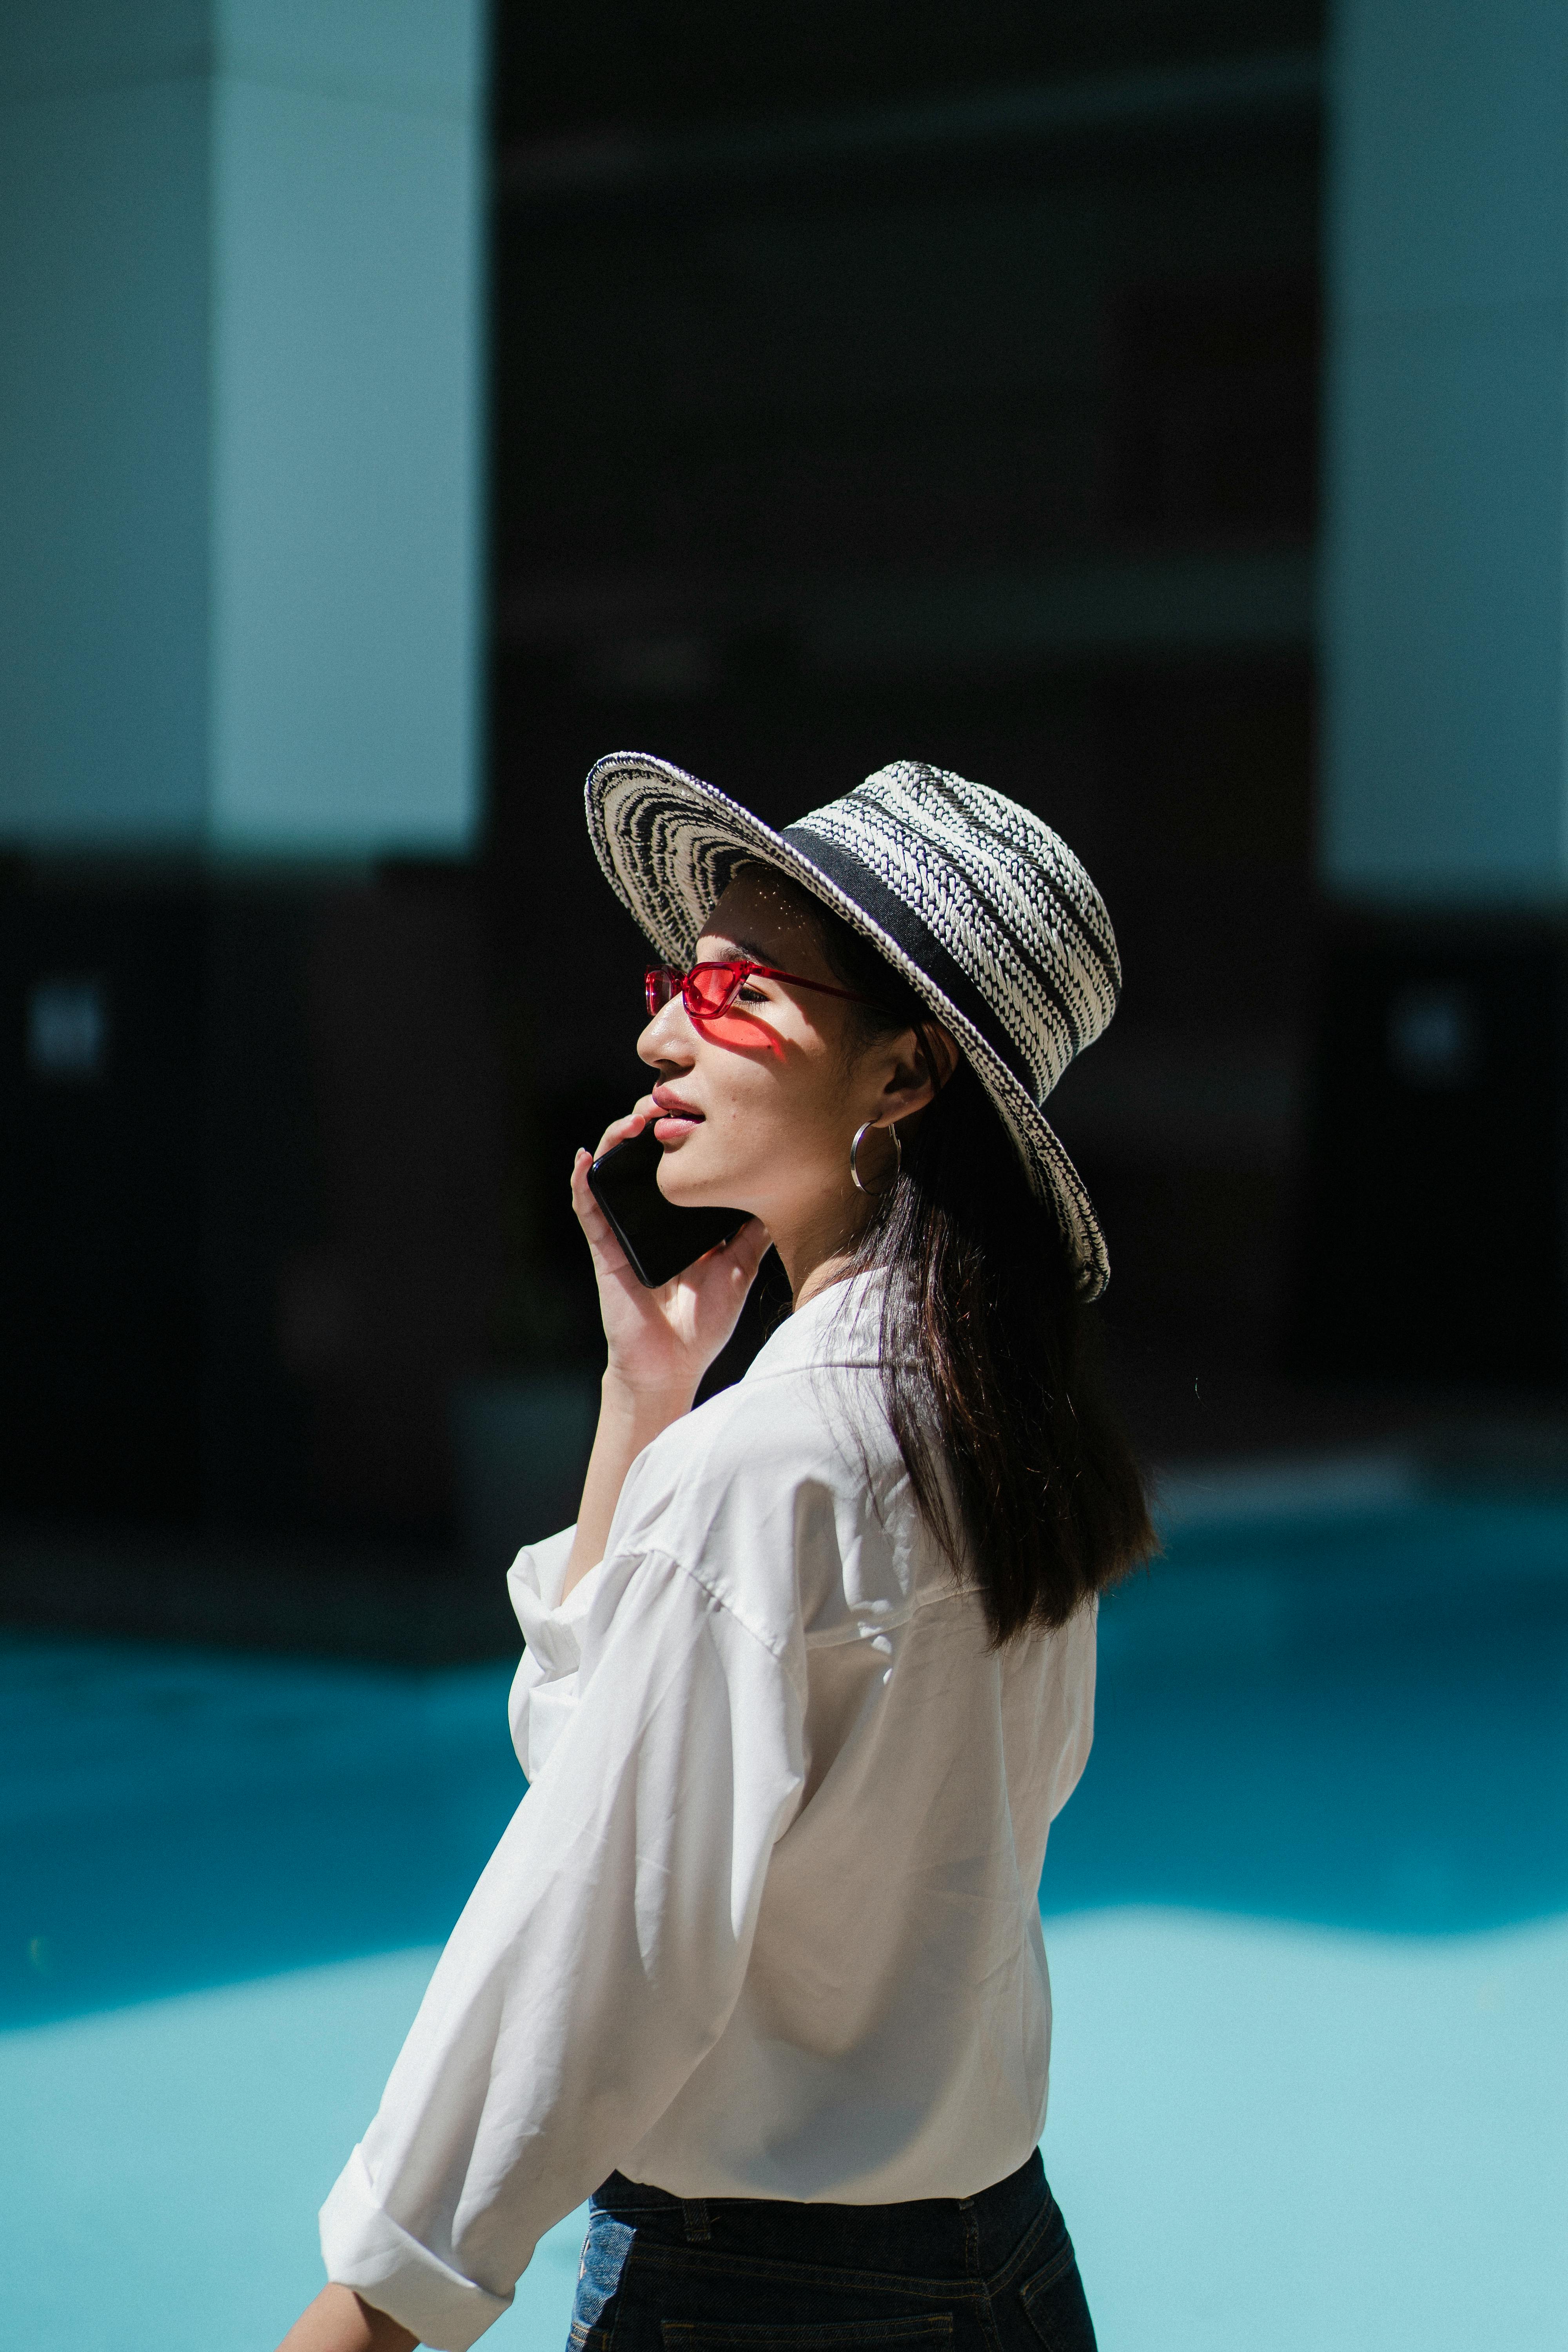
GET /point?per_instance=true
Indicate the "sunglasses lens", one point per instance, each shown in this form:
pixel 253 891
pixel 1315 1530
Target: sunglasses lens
pixel 658 986
pixel 709 988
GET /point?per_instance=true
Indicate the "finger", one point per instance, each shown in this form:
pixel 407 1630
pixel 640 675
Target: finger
pixel 751 1244
pixel 601 1234
pixel 620 1130
pixel 742 1253
pixel 582 1201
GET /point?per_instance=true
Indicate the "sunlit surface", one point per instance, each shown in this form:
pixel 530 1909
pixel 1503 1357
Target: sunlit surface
pixel 1308 1918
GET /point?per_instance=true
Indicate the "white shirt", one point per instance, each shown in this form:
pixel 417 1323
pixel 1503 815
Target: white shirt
pixel 766 1922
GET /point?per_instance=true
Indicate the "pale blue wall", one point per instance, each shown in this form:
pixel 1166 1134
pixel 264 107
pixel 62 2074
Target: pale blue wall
pixel 1446 558
pixel 345 368
pixel 104 177
pixel 239 410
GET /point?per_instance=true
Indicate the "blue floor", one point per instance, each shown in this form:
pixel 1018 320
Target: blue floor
pixel 1308 1920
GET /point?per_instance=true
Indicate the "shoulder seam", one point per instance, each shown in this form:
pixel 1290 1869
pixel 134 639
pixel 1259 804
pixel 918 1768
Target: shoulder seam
pixel 718 1600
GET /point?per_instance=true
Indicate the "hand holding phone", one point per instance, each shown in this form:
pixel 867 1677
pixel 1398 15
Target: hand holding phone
pixel 660 1240
pixel 662 1337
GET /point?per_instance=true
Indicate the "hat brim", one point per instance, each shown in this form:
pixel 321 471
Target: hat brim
pixel 669 845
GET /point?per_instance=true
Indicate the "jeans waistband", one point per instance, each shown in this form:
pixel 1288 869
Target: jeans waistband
pixel 954 2238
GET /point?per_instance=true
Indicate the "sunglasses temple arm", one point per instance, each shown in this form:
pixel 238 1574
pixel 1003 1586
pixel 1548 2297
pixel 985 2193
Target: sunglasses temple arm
pixel 827 988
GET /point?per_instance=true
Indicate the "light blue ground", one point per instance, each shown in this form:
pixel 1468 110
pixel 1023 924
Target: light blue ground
pixel 1308 1920
pixel 162 2194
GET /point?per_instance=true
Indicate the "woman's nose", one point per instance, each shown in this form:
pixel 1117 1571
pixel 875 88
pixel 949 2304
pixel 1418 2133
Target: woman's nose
pixel 667 1040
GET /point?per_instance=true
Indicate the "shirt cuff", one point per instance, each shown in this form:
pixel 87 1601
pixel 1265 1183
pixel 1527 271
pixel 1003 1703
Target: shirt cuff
pixel 363 2248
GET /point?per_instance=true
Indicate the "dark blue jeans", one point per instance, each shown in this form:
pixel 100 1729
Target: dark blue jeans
pixel 989 2273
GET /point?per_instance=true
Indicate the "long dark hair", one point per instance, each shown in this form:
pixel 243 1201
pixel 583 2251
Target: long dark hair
pixel 992 1361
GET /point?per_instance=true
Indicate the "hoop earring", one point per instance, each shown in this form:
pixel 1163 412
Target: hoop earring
pixel 873 1191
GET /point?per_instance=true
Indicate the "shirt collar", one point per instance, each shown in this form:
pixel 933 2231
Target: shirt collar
pixel 841 1325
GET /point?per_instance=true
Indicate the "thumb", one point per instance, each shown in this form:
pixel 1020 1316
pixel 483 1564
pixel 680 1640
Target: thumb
pixel 752 1245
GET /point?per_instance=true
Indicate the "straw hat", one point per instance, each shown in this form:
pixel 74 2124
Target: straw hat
pixel 985 910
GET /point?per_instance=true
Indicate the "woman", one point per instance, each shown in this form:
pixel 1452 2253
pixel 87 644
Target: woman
pixel 759 1959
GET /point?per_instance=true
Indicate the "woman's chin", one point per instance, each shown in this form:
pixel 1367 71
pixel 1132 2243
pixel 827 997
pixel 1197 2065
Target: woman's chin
pixel 686 1184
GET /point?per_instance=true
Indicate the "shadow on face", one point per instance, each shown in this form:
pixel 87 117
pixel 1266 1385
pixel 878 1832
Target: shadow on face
pixel 757 1106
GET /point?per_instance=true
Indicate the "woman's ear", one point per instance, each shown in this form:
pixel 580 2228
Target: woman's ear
pixel 925 1060
pixel 942 1051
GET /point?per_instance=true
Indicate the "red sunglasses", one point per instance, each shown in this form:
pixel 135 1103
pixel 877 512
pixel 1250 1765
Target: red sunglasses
pixel 710 989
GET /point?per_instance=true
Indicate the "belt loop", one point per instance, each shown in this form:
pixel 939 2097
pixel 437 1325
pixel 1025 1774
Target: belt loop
pixel 694 2220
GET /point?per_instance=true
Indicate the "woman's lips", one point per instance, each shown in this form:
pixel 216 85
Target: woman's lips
pixel 675 1118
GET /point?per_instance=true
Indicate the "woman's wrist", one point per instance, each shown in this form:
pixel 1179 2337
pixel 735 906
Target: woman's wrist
pixel 630 1417
pixel 637 1403
pixel 341 2321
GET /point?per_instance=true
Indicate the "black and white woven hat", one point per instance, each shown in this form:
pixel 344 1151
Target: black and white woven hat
pixel 978 903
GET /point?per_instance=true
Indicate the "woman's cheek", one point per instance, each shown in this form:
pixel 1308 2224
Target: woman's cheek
pixel 738 1032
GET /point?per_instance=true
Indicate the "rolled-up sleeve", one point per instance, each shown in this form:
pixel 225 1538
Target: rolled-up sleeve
pixel 544 1688
pixel 601 1953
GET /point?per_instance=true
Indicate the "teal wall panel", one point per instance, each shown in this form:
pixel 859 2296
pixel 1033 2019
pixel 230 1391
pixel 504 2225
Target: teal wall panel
pixel 50 47
pixel 239 424
pixel 423 54
pixel 346 471
pixel 1444 739
pixel 1445 556
pixel 103 462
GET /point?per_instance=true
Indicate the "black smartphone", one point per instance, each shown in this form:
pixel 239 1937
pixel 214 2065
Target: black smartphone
pixel 660 1241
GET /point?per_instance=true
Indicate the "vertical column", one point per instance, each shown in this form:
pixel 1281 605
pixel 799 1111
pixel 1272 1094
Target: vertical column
pixel 1445 660
pixel 240 545
pixel 239 424
pixel 1436 1243
pixel 346 339
pixel 105 212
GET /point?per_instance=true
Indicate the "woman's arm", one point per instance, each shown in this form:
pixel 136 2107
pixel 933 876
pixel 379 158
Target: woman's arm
pixel 338 2321
pixel 599 1956
pixel 629 1419
pixel 660 1343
